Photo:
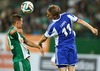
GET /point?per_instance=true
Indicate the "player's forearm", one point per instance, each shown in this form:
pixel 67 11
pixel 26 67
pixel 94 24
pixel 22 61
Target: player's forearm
pixel 43 39
pixel 31 44
pixel 85 24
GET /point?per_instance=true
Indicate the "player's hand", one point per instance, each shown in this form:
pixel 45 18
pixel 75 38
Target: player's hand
pixel 41 49
pixel 40 44
pixel 95 31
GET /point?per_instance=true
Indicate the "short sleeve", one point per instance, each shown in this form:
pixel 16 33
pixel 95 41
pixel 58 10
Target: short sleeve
pixel 48 31
pixel 15 35
pixel 51 31
pixel 72 17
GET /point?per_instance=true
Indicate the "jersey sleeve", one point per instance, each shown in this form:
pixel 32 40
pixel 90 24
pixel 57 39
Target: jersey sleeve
pixel 72 17
pixel 50 32
pixel 15 35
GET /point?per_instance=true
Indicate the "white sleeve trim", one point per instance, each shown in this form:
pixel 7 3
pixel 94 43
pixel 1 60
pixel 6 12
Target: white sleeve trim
pixel 46 34
pixel 73 18
pixel 54 33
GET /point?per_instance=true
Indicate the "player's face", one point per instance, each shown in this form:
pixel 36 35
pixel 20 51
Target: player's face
pixel 49 15
pixel 19 24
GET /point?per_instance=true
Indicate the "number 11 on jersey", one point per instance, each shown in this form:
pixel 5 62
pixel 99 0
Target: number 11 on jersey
pixel 64 30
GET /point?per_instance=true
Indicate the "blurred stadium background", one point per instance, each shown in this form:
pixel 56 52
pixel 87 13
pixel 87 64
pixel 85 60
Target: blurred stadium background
pixel 36 23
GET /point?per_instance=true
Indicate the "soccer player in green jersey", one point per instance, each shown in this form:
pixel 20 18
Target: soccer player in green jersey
pixel 16 42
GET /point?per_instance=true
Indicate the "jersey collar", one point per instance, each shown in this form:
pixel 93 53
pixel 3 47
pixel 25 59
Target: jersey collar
pixel 54 20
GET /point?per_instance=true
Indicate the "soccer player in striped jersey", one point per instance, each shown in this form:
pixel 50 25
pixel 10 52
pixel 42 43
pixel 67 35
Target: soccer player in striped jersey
pixel 16 41
pixel 61 29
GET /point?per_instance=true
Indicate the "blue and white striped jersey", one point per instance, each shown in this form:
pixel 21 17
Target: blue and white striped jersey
pixel 61 29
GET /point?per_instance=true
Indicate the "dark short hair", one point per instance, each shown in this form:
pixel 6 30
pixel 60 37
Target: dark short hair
pixel 54 10
pixel 15 17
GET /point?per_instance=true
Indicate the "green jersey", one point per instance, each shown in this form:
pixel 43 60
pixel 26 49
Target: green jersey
pixel 16 43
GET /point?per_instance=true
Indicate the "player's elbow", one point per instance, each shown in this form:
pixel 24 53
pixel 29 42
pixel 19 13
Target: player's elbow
pixel 80 21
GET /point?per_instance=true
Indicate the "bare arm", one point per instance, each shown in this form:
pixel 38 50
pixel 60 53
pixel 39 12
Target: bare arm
pixel 94 30
pixel 43 39
pixel 31 44
pixel 26 41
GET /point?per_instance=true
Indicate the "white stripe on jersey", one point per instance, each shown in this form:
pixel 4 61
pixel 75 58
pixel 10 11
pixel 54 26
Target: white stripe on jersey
pixel 56 36
pixel 21 66
pixel 72 18
pixel 23 47
pixel 24 50
pixel 57 63
pixel 46 33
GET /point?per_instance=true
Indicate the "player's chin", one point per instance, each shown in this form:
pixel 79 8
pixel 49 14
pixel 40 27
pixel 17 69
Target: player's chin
pixel 19 27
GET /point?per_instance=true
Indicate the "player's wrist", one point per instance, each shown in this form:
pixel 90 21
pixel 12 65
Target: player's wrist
pixel 40 44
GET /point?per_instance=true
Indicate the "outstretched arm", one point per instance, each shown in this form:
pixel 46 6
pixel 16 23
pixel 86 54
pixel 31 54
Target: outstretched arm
pixel 26 41
pixel 94 30
pixel 31 44
pixel 43 39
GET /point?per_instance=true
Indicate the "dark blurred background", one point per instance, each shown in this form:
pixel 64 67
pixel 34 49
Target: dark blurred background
pixel 36 23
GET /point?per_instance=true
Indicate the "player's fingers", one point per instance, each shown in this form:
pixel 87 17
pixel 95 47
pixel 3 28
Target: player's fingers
pixel 40 45
pixel 42 52
pixel 96 32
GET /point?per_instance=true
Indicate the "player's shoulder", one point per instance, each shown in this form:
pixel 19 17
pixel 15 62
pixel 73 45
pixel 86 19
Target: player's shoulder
pixel 51 25
pixel 71 16
pixel 62 14
pixel 67 13
pixel 11 29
